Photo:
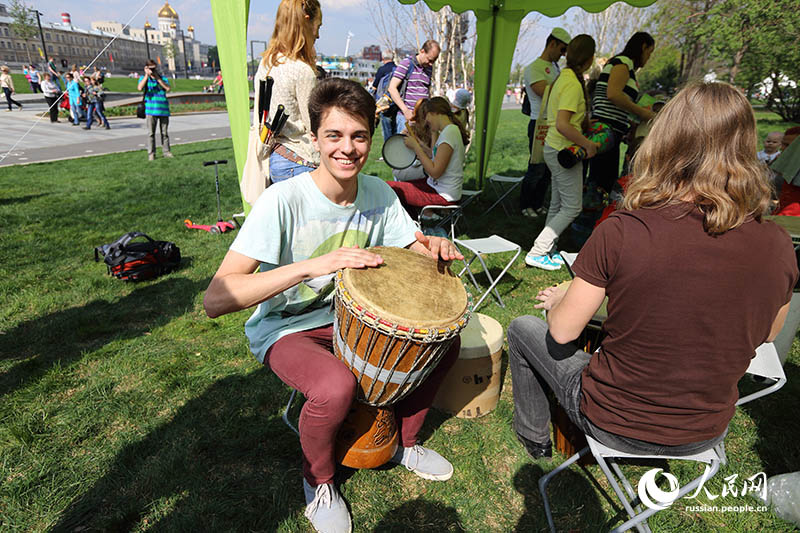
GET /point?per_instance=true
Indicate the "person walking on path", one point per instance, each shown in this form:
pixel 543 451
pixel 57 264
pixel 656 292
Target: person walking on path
pixel 156 88
pixel 7 83
pixel 51 93
pixel 36 79
pixel 94 96
pixel 53 71
pixel 74 92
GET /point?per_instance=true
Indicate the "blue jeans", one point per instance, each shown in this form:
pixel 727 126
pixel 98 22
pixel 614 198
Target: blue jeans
pixel 389 125
pixel 281 168
pixel 96 106
pixel 401 122
pixel 77 112
pixel 532 358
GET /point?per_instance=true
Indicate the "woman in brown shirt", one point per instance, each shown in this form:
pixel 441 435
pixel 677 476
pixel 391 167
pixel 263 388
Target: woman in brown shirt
pixel 695 281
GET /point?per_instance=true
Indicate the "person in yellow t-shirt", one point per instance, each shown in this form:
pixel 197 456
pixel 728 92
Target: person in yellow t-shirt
pixel 566 112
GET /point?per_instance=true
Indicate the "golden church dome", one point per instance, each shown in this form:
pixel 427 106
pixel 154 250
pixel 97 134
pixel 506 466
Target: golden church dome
pixel 167 12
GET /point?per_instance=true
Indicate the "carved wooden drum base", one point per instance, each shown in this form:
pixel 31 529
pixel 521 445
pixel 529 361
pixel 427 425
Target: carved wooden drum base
pixel 368 437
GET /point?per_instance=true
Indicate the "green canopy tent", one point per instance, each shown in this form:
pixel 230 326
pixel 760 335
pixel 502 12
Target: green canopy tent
pixel 498 23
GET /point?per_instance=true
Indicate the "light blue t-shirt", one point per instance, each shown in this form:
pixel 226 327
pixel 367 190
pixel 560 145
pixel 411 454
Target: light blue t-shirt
pixel 292 221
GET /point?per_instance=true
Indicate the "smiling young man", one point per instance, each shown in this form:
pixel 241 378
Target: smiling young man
pixel 299 233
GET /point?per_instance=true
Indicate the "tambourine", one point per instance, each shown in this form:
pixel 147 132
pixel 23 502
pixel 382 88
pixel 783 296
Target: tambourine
pixel 396 154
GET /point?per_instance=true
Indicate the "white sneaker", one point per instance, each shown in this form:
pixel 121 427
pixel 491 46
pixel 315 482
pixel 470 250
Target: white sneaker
pixel 541 261
pixel 424 462
pixel 326 509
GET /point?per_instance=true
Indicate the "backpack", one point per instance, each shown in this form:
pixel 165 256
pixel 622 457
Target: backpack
pixel 138 261
pixel 383 100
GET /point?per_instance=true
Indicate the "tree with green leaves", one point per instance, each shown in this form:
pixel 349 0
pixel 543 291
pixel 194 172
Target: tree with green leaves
pixel 758 42
pixel 23 23
pixel 679 23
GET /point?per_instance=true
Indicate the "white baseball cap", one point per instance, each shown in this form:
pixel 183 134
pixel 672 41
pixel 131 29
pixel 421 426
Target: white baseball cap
pixel 561 34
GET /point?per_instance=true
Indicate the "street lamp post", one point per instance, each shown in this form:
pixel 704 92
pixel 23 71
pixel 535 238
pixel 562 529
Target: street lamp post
pixel 185 64
pixel 174 28
pixel 253 57
pixel 147 26
pixel 41 34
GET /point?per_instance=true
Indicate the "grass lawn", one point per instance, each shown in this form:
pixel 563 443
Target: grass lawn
pixel 120 84
pixel 126 409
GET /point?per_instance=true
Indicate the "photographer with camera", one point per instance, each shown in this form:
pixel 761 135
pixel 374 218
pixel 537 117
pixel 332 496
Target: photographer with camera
pixel 156 87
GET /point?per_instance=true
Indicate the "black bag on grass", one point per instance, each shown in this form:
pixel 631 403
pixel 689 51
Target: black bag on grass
pixel 138 261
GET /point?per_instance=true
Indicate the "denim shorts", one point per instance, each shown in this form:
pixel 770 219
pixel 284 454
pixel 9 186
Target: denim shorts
pixel 281 168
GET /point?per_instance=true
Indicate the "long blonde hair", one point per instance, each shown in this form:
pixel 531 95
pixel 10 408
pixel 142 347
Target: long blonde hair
pixel 292 36
pixel 702 148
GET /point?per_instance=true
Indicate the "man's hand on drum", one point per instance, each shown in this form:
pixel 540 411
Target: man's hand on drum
pixel 549 297
pixel 345 257
pixel 436 247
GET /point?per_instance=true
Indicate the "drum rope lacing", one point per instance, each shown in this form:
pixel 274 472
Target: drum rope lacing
pixel 435 341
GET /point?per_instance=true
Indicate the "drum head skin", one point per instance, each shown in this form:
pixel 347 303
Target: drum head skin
pixel 396 154
pixel 409 289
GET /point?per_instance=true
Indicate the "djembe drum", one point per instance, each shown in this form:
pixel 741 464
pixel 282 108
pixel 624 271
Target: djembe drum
pixel 393 324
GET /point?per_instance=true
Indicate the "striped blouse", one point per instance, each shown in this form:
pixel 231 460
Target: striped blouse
pixel 419 81
pixel 602 108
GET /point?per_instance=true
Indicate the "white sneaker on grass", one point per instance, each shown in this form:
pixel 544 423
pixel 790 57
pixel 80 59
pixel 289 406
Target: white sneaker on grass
pixel 424 462
pixel 541 261
pixel 326 509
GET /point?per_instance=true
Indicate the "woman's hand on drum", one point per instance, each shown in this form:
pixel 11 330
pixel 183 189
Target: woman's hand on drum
pixel 436 247
pixel 411 141
pixel 345 257
pixel 549 297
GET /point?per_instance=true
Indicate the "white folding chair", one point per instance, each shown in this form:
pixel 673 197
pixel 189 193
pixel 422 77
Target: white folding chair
pixel 487 245
pixel 503 186
pixel 447 214
pixel 765 363
pixel 285 415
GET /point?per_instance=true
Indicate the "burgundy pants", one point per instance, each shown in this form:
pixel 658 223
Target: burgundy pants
pixel 305 362
pixel 416 194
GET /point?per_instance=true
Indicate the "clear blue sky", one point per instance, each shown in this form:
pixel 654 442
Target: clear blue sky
pixel 339 17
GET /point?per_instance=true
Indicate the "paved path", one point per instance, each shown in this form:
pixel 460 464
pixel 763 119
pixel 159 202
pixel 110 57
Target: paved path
pixel 51 142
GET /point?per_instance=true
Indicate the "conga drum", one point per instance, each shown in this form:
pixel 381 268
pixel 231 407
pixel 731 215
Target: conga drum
pixel 393 324
pixel 472 386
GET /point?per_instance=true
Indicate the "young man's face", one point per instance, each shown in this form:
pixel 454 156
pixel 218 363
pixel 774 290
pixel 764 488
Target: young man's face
pixel 343 141
pixel 557 50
